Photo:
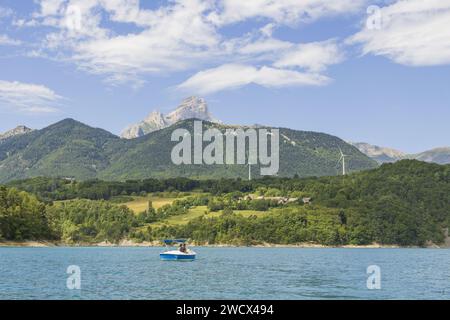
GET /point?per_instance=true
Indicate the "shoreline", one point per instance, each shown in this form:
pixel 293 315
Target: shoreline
pixel 130 244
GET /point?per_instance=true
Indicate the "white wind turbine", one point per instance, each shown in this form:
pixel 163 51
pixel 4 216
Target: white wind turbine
pixel 342 159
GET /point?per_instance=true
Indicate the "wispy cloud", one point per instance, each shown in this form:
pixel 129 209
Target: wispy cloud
pixel 5 12
pixel 282 11
pixel 187 35
pixel 178 36
pixel 5 40
pixel 314 56
pixel 232 76
pixel 28 98
pixel 171 38
pixel 413 32
pixel 268 62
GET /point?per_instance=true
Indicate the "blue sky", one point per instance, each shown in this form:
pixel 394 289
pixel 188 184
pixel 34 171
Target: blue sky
pixel 308 65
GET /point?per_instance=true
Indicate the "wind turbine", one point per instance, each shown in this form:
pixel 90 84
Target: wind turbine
pixel 342 158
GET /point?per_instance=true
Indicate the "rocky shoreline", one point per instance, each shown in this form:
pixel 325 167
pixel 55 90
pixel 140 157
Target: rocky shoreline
pixel 128 243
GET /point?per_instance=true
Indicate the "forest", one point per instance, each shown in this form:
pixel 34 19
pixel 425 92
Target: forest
pixel 406 203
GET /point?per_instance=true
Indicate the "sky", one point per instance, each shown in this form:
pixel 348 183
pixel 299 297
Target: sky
pixel 372 71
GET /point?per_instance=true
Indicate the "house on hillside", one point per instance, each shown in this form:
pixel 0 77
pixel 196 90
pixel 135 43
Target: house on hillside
pixel 279 200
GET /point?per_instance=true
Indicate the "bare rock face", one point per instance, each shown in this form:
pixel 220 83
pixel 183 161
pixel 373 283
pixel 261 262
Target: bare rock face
pixel 156 118
pixel 383 155
pixel 437 155
pixel 155 121
pixel 380 154
pixel 19 130
pixel 192 107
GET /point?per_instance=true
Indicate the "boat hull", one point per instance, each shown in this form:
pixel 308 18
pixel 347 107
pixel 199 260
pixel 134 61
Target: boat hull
pixel 177 256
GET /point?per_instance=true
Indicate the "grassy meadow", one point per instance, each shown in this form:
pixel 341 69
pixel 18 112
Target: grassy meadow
pixel 141 203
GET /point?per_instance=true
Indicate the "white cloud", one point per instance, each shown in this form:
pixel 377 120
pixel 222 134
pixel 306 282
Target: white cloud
pixel 49 7
pixel 314 56
pixel 173 37
pixel 268 29
pixel 28 98
pixel 183 35
pixel 232 76
pixel 261 46
pixel 282 11
pixel 129 11
pixel 5 40
pixel 413 32
pixel 178 39
pixel 186 35
pixel 5 12
pixel 283 64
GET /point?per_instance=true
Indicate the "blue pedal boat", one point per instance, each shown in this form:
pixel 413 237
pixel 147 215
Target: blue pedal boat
pixel 176 255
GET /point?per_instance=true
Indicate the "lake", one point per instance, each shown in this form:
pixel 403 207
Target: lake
pixel 225 273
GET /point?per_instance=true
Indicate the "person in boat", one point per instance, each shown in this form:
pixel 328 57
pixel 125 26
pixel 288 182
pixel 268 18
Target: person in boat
pixel 183 247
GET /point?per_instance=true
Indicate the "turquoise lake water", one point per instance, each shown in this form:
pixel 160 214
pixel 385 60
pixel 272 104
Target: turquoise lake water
pixel 225 273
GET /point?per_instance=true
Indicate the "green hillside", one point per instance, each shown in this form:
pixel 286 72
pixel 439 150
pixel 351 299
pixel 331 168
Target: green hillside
pixel 72 149
pixel 405 203
pixel 67 148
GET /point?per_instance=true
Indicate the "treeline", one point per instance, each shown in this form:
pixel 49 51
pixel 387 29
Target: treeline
pixel 388 179
pixel 24 217
pixel 53 189
pixel 87 221
pixel 406 203
pixel 287 226
pixel 56 189
pixel 386 222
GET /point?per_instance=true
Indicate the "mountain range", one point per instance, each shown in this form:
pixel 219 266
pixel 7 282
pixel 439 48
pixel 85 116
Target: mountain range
pixel 72 149
pixel 384 155
pixel 190 108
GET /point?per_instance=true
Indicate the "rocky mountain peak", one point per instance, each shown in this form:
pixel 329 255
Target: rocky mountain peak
pixel 383 155
pixel 192 107
pixel 437 155
pixel 19 130
pixel 157 118
pixel 374 151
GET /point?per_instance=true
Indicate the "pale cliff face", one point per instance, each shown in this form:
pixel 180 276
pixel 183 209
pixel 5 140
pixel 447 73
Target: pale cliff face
pixel 156 118
pixel 382 155
pixel 192 107
pixel 373 151
pixel 19 130
pixel 437 155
